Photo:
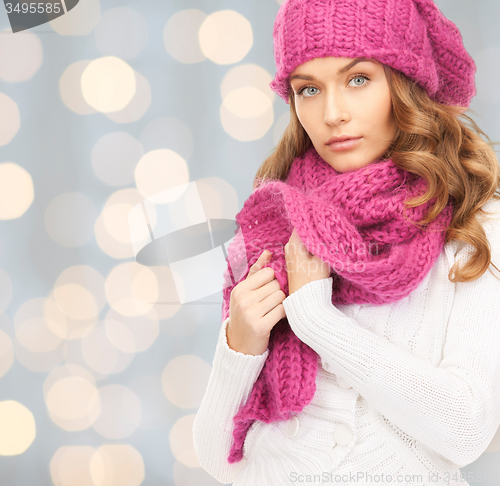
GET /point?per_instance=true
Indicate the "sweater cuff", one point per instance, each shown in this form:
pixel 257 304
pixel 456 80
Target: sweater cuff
pixel 347 349
pixel 238 363
pixel 311 299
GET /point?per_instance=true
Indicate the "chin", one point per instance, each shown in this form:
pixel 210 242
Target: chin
pixel 349 167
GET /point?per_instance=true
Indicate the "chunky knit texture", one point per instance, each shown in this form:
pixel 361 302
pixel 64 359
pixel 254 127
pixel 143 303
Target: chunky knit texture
pixel 412 36
pixel 357 222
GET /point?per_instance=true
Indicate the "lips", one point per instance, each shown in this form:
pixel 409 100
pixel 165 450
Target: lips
pixel 346 144
pixel 341 139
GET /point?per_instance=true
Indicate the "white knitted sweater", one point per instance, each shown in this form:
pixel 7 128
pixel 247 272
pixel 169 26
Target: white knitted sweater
pixel 410 389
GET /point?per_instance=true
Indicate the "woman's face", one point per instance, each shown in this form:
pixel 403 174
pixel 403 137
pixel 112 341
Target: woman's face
pixel 334 102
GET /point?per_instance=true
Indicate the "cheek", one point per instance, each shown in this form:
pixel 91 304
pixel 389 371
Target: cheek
pixel 383 114
pixel 306 118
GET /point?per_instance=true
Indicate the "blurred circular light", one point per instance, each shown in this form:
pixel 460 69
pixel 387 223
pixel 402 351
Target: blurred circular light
pixel 79 20
pixel 180 36
pixel 226 37
pixel 6 353
pixel 160 170
pixel 16 190
pixel 108 84
pixel 121 412
pixel 117 465
pixel 131 289
pixel 71 88
pixel 10 119
pixel 181 441
pixel 185 380
pixel 70 466
pixel 21 56
pixel 17 428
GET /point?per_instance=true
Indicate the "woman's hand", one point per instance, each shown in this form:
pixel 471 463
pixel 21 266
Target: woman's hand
pixel 302 267
pixel 255 307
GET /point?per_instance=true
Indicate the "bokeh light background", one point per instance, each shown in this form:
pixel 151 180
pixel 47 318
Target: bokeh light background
pixel 100 109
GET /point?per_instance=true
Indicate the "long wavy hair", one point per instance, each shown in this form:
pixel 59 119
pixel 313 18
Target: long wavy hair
pixel 438 142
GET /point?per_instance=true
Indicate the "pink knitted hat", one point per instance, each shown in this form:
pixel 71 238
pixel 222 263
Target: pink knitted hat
pixel 411 36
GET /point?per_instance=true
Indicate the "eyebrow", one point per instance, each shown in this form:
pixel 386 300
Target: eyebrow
pixel 339 72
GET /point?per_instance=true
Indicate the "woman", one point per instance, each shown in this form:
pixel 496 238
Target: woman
pixel 362 347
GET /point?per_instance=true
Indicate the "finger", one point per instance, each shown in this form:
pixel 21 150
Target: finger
pixel 259 279
pixel 272 305
pixel 261 261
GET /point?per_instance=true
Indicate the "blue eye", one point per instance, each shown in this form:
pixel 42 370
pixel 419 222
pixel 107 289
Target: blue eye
pixel 304 88
pixel 360 76
pixel 356 76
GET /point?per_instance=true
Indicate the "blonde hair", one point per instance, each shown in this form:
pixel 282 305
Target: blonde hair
pixel 436 141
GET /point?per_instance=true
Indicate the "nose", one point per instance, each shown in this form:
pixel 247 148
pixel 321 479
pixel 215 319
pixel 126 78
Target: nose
pixel 335 109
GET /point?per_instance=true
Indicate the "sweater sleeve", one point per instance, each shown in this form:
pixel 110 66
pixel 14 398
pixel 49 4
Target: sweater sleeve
pixel 451 408
pixel 229 385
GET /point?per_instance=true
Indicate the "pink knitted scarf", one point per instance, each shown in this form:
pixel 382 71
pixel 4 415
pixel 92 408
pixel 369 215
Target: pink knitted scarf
pixel 356 222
